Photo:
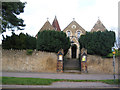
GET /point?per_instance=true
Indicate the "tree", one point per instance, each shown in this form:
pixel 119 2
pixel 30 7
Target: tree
pixel 22 41
pixel 99 43
pixel 19 42
pixel 52 41
pixel 30 42
pixel 10 21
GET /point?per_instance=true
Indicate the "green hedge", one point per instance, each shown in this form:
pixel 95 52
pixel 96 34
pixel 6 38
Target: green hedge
pixel 52 41
pixel 21 41
pixel 98 43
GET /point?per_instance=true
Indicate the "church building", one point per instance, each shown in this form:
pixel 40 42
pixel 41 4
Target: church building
pixel 47 26
pixel 98 27
pixel 73 31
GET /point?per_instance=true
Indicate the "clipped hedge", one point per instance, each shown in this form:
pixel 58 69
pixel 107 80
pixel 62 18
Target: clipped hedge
pixel 52 41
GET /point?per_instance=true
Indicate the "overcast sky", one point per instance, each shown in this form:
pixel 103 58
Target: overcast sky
pixel 85 12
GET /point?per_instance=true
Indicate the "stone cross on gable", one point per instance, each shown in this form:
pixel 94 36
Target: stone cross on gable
pixel 47 18
pixel 73 19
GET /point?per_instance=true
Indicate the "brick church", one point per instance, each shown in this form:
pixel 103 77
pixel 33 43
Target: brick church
pixel 73 31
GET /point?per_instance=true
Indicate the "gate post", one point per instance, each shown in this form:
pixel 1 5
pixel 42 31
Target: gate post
pixel 60 61
pixel 84 60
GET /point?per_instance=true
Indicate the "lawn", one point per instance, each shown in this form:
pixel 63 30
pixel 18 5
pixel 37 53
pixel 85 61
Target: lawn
pixel 41 81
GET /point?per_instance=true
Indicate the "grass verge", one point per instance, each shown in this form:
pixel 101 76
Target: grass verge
pixel 41 81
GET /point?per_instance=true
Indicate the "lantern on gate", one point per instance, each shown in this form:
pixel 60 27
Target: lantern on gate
pixel 60 61
pixel 84 62
pixel 60 56
pixel 84 57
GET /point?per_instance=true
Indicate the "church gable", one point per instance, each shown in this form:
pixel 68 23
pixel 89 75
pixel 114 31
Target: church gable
pixel 47 26
pixel 98 27
pixel 73 27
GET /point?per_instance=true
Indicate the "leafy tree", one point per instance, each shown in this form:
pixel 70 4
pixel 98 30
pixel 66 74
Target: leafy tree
pixel 52 41
pixel 20 41
pixel 10 20
pixel 99 43
pixel 30 42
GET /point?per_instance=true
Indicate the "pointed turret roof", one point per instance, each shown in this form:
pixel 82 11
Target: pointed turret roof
pixel 55 24
pixel 98 26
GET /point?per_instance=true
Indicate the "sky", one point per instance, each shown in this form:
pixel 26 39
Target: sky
pixel 85 12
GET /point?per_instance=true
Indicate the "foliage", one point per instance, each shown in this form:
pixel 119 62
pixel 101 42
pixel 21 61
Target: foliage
pixel 110 55
pixel 30 42
pixel 99 43
pixel 52 41
pixel 43 81
pixel 29 51
pixel 20 41
pixel 10 21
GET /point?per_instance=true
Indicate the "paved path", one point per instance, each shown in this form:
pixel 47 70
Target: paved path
pixel 60 75
pixel 66 85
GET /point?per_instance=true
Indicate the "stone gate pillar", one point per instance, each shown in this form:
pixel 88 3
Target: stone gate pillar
pixel 84 60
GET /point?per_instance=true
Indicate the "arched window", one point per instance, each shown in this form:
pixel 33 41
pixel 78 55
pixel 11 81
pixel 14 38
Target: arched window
pixel 68 33
pixel 78 34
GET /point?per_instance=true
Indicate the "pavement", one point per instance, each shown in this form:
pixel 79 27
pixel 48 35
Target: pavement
pixel 65 85
pixel 62 76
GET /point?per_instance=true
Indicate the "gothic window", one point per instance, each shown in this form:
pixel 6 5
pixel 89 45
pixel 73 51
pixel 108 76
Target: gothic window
pixel 78 34
pixel 68 33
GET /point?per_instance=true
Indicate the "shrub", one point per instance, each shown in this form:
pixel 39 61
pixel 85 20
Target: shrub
pixel 29 51
pixel 20 41
pixel 52 41
pixel 110 55
pixel 99 43
pixel 30 42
